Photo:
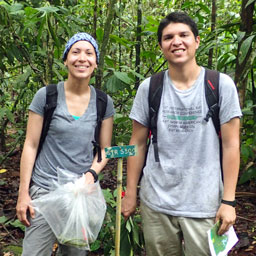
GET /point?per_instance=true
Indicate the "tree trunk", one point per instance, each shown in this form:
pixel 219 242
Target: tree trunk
pixel 242 69
pixel 213 26
pixel 103 49
pixel 138 42
pixel 95 18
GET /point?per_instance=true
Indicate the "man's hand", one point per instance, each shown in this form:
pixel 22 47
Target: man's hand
pixel 227 216
pixel 129 203
pixel 23 207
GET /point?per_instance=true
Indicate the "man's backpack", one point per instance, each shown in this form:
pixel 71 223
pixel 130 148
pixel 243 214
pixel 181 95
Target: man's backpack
pixel 50 105
pixel 212 98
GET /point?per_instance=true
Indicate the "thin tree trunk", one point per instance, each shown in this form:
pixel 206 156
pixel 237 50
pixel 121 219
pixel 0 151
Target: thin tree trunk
pixel 213 26
pixel 253 95
pixel 138 42
pixel 95 19
pixel 242 69
pixel 103 49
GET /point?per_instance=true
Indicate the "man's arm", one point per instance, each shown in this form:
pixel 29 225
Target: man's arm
pixel 34 128
pixel 231 162
pixel 134 168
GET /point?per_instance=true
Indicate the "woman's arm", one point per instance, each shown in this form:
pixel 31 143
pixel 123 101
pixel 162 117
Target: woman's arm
pixel 34 128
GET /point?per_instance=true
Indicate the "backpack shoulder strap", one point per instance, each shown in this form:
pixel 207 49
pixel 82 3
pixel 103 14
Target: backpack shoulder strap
pixel 154 100
pixel 50 105
pixel 212 97
pixel 212 78
pixel 101 106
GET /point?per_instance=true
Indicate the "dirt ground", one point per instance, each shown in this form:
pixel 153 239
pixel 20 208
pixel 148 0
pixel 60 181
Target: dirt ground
pixel 9 181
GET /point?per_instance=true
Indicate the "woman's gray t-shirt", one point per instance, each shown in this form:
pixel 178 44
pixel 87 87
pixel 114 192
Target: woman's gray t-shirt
pixel 187 180
pixel 68 143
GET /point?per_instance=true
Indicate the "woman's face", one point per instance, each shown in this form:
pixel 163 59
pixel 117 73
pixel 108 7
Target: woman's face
pixel 81 60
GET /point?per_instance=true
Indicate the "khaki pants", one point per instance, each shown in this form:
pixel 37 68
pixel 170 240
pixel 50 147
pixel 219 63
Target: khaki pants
pixel 164 235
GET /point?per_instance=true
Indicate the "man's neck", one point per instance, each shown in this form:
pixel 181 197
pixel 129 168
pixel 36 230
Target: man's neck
pixel 184 77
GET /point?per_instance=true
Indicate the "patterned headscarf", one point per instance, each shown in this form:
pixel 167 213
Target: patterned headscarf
pixel 81 37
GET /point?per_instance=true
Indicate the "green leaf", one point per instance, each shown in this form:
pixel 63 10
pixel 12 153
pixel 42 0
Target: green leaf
pixel 17 250
pixel 123 77
pixel 121 40
pixel 204 7
pixel 245 48
pixel 247 175
pixel 114 84
pixel 9 115
pixel 53 34
pixel 3 219
pixel 2 112
pixel 95 246
pixel 17 224
pixel 245 152
pixel 48 9
pixel 16 8
pixel 135 234
pixel 249 2
pixel 128 226
pixel 40 31
pixel 125 243
pixel 240 35
pixel 100 34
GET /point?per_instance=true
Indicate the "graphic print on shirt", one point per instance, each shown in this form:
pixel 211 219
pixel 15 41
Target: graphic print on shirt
pixel 181 119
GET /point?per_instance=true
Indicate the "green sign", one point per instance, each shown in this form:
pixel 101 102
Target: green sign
pixel 121 151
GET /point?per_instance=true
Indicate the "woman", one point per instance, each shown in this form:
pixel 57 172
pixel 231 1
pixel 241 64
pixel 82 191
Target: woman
pixel 68 143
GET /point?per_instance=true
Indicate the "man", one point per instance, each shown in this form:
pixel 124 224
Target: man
pixel 182 194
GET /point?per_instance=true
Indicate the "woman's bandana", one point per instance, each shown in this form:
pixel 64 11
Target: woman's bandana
pixel 81 37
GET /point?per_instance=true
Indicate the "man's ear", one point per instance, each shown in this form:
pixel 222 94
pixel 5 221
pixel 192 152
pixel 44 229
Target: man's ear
pixel 197 41
pixel 160 46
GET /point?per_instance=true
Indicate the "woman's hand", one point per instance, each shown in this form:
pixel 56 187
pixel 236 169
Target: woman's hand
pixel 23 208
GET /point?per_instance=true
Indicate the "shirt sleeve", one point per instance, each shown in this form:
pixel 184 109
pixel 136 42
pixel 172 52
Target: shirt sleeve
pixel 140 108
pixel 110 111
pixel 38 102
pixel 229 100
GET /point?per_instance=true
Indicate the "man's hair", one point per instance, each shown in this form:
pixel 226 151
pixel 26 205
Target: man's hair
pixel 176 17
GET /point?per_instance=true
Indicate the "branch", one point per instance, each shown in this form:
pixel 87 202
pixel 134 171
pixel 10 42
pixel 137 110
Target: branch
pixel 103 49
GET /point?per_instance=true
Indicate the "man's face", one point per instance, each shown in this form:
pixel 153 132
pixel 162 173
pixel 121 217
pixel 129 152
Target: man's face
pixel 179 44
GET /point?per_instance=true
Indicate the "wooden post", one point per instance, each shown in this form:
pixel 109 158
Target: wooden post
pixel 118 205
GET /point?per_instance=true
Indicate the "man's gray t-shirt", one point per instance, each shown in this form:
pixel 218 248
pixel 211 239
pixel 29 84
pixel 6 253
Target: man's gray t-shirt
pixel 187 180
pixel 68 143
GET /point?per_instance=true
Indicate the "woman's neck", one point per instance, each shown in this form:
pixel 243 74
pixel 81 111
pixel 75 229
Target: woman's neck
pixel 77 86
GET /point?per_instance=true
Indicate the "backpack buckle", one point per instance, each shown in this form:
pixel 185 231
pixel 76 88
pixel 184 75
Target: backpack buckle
pixel 211 112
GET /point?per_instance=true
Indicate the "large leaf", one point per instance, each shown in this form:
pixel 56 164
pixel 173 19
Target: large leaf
pixel 245 152
pixel 48 9
pixel 3 219
pixel 249 2
pixel 248 175
pixel 115 84
pixel 17 224
pixel 245 48
pixel 123 77
pixel 125 243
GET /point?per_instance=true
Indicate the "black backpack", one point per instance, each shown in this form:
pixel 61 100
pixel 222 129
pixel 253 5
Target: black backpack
pixel 50 105
pixel 212 98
